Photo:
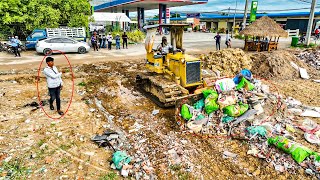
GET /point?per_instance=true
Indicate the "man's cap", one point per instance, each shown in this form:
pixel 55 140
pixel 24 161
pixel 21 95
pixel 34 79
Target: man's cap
pixel 48 59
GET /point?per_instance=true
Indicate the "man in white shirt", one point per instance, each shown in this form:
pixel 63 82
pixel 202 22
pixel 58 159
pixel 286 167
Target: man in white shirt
pixel 228 40
pixel 109 39
pixel 54 83
pixel 164 47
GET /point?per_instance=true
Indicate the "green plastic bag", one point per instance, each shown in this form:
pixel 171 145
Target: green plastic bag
pixel 207 92
pixel 199 104
pixel 227 119
pixel 211 104
pixel 120 158
pixel 185 112
pixel 298 152
pixel 257 129
pixel 244 83
pixel 235 110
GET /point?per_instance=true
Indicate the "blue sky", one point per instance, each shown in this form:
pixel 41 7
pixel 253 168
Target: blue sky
pixel 217 5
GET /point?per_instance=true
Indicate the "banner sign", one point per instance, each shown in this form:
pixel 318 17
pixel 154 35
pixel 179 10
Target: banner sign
pixel 253 13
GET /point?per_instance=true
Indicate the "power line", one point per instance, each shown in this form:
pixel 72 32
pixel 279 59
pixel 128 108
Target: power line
pixel 304 1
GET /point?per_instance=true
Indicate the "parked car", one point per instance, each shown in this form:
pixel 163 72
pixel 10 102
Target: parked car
pixel 77 33
pixel 63 44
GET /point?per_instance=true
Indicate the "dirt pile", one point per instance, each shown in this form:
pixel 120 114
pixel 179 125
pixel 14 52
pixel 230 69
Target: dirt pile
pixel 311 57
pixel 228 61
pixel 277 64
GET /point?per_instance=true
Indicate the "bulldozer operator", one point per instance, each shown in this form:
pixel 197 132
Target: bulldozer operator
pixel 164 47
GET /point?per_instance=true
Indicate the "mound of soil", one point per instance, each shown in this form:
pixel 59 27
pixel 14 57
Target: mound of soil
pixel 228 61
pixel 277 64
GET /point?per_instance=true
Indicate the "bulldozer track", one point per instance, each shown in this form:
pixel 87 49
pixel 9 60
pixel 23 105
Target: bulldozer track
pixel 159 89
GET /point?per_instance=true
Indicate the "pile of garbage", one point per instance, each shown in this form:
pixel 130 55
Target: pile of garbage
pixel 244 108
pixel 310 57
pixel 227 61
pixel 138 166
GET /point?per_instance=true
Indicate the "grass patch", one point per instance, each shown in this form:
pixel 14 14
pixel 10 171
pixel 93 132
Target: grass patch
pixel 64 160
pixel 109 176
pixel 175 167
pixel 183 176
pixel 65 147
pixel 14 170
pixel 41 142
pixel 302 46
pixel 82 84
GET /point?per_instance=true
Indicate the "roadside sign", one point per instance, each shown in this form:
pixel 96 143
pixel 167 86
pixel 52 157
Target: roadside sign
pixel 253 13
pixel 168 16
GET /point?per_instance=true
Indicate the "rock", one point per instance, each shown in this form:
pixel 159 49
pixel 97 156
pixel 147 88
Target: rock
pixel 48 160
pixel 124 173
pixel 227 154
pixel 8 159
pixel 155 112
pixel 113 166
pixel 251 169
pixel 256 173
pixel 43 146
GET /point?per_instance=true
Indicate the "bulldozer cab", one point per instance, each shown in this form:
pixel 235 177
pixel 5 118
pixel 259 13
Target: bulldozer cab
pixel 176 35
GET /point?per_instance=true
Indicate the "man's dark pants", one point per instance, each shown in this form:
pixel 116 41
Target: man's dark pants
pixel 218 45
pixel 124 42
pixel 109 44
pixel 16 51
pixel 55 95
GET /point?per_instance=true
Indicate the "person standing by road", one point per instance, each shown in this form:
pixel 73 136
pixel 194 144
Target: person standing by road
pixel 117 41
pixel 218 41
pixel 124 40
pixel 15 44
pixel 104 41
pixel 109 39
pixel 54 83
pixel 228 40
pixel 94 41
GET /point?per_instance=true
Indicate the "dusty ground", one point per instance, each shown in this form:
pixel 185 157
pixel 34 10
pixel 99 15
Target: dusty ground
pixel 51 149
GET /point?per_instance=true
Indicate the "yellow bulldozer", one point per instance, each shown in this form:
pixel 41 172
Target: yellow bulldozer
pixel 172 74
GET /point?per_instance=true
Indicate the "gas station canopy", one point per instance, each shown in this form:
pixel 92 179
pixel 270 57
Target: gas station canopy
pixel 131 5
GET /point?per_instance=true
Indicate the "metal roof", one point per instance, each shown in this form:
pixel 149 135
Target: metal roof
pixel 204 16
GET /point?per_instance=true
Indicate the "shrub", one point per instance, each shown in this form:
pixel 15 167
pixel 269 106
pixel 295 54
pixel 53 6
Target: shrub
pixel 136 36
pixel 196 28
pixel 239 37
pixel 221 30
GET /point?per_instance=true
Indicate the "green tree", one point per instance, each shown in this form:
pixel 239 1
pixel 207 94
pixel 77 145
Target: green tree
pixel 19 17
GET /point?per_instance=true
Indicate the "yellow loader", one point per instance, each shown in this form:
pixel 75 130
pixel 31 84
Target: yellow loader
pixel 170 75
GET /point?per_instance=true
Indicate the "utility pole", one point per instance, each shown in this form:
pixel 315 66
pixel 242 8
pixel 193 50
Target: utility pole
pixel 310 23
pixel 245 15
pixel 234 19
pixel 228 20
